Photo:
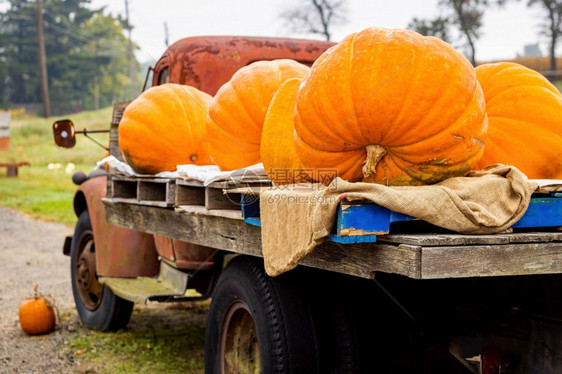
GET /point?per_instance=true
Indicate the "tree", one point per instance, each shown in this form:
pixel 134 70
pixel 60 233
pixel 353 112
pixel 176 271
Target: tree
pixel 438 27
pixel 552 25
pixel 467 16
pixel 315 17
pixel 82 46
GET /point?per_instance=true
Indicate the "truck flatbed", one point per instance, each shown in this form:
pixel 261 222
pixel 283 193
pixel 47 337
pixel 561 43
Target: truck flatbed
pixel 209 216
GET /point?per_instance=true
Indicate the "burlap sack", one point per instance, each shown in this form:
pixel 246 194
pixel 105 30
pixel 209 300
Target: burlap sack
pixel 296 219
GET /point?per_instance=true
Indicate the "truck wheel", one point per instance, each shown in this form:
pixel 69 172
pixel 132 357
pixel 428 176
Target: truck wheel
pixel 336 331
pixel 258 324
pixel 98 307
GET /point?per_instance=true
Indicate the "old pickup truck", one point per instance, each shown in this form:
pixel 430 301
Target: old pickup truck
pixel 414 298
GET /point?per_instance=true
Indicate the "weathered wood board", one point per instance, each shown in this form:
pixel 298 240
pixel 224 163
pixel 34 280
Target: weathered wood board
pixel 413 255
pixel 491 260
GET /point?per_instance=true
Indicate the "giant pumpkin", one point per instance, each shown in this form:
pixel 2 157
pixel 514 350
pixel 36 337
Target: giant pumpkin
pixel 277 149
pixel 237 111
pixel 525 120
pixel 391 107
pixel 165 127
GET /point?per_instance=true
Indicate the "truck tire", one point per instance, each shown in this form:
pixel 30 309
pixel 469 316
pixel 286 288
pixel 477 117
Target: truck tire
pixel 336 329
pixel 259 324
pixel 98 307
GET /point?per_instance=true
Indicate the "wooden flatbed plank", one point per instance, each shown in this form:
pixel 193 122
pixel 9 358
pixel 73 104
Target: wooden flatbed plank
pixel 225 184
pixel 428 239
pixel 135 201
pixel 364 260
pixel 491 260
pixel 548 185
pixel 233 235
pixel 218 232
pixel 248 190
pixel 189 182
pixel 201 210
pixel 134 178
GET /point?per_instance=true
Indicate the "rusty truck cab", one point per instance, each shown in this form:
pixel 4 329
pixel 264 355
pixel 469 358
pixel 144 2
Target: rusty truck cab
pixel 207 62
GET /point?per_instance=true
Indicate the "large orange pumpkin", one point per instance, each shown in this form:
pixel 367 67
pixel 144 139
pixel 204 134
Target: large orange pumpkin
pixel 237 111
pixel 392 107
pixel 277 149
pixel 525 120
pixel 165 127
pixel 37 316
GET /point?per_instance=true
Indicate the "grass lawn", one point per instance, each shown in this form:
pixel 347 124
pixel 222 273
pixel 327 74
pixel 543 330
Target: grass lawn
pixel 166 339
pixel 45 189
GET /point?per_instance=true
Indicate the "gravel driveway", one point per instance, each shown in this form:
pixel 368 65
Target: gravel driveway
pixel 31 253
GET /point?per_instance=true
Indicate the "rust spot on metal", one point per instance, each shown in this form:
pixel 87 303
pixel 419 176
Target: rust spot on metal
pixel 271 44
pixel 209 62
pixel 293 47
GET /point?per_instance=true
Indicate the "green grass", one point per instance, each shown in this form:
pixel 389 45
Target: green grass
pixel 149 344
pixel 45 189
pixel 558 85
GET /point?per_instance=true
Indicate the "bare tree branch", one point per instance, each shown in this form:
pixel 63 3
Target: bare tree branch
pixel 315 17
pixel 552 24
pixel 467 15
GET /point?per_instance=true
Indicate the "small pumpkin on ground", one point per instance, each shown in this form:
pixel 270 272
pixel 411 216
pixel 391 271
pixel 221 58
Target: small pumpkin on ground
pixel 277 149
pixel 525 120
pixel 165 127
pixel 237 112
pixel 391 107
pixel 37 315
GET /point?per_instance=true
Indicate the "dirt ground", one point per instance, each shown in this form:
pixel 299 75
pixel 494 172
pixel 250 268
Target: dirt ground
pixel 31 253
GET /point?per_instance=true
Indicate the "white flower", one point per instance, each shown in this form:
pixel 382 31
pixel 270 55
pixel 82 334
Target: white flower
pixel 69 168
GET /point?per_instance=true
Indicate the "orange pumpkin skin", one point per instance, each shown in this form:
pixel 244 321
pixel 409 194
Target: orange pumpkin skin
pixel 525 120
pixel 277 149
pixel 237 111
pixel 391 107
pixel 36 316
pixel 165 127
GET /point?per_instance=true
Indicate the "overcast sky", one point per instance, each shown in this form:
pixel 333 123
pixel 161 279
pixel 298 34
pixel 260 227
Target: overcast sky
pixel 506 30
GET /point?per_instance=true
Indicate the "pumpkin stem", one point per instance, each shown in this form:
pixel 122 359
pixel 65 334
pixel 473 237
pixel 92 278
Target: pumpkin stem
pixel 374 154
